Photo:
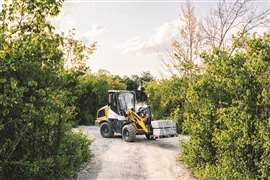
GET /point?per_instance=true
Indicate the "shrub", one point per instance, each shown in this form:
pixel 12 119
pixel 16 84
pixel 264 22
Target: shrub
pixel 167 99
pixel 227 115
pixel 73 152
pixel 91 93
pixel 35 133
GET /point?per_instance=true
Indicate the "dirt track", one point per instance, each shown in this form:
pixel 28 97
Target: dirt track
pixel 115 159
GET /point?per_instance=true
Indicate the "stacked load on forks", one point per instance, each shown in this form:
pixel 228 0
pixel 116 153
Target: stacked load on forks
pixel 164 128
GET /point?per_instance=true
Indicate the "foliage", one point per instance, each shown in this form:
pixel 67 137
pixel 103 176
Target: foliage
pixel 35 133
pixel 89 92
pixel 135 81
pixel 92 94
pixel 227 114
pixel 146 77
pixel 76 52
pixel 167 99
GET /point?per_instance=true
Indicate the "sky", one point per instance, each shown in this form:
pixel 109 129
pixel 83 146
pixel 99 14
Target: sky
pixel 131 35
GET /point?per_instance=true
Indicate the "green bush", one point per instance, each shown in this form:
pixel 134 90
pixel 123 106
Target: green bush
pixel 228 116
pixel 90 93
pixel 73 152
pixel 35 112
pixel 167 99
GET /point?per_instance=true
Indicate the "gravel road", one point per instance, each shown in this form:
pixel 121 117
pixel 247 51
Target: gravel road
pixel 114 159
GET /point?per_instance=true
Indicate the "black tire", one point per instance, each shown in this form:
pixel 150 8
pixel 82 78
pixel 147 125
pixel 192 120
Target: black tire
pixel 128 133
pixel 106 130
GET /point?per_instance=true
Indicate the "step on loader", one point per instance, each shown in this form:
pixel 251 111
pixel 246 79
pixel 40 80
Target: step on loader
pixel 123 115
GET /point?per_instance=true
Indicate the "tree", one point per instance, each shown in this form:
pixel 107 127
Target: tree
pixel 147 77
pixel 35 133
pixel 227 114
pixel 131 82
pixel 167 99
pixel 76 52
pixel 91 94
pixel 229 17
pixel 184 52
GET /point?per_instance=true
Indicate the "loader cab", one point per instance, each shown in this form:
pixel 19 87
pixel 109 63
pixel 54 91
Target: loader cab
pixel 121 101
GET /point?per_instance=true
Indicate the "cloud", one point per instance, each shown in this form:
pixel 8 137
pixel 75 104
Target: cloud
pixel 92 33
pixel 88 32
pixel 158 41
pixel 1 3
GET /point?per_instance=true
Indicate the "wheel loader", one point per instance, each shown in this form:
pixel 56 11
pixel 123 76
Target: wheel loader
pixel 123 115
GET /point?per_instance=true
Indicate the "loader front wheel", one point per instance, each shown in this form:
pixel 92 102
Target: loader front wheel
pixel 106 130
pixel 128 133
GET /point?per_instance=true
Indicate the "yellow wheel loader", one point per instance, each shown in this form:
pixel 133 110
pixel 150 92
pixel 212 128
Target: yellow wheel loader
pixel 124 116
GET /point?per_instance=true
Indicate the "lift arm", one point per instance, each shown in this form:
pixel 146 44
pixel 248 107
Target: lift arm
pixel 137 119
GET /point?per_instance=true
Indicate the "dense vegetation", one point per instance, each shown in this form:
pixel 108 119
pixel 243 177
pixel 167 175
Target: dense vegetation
pixel 222 104
pixel 228 114
pixel 167 99
pixel 89 93
pixel 225 110
pixel 35 112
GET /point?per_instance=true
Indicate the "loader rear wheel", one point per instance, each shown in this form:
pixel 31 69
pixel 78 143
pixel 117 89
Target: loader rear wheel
pixel 129 133
pixel 106 130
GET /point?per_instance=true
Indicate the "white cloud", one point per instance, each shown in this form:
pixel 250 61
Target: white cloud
pixel 92 33
pixel 1 3
pixel 88 32
pixel 158 41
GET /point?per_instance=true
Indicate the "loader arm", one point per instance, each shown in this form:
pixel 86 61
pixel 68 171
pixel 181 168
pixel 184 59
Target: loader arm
pixel 137 119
